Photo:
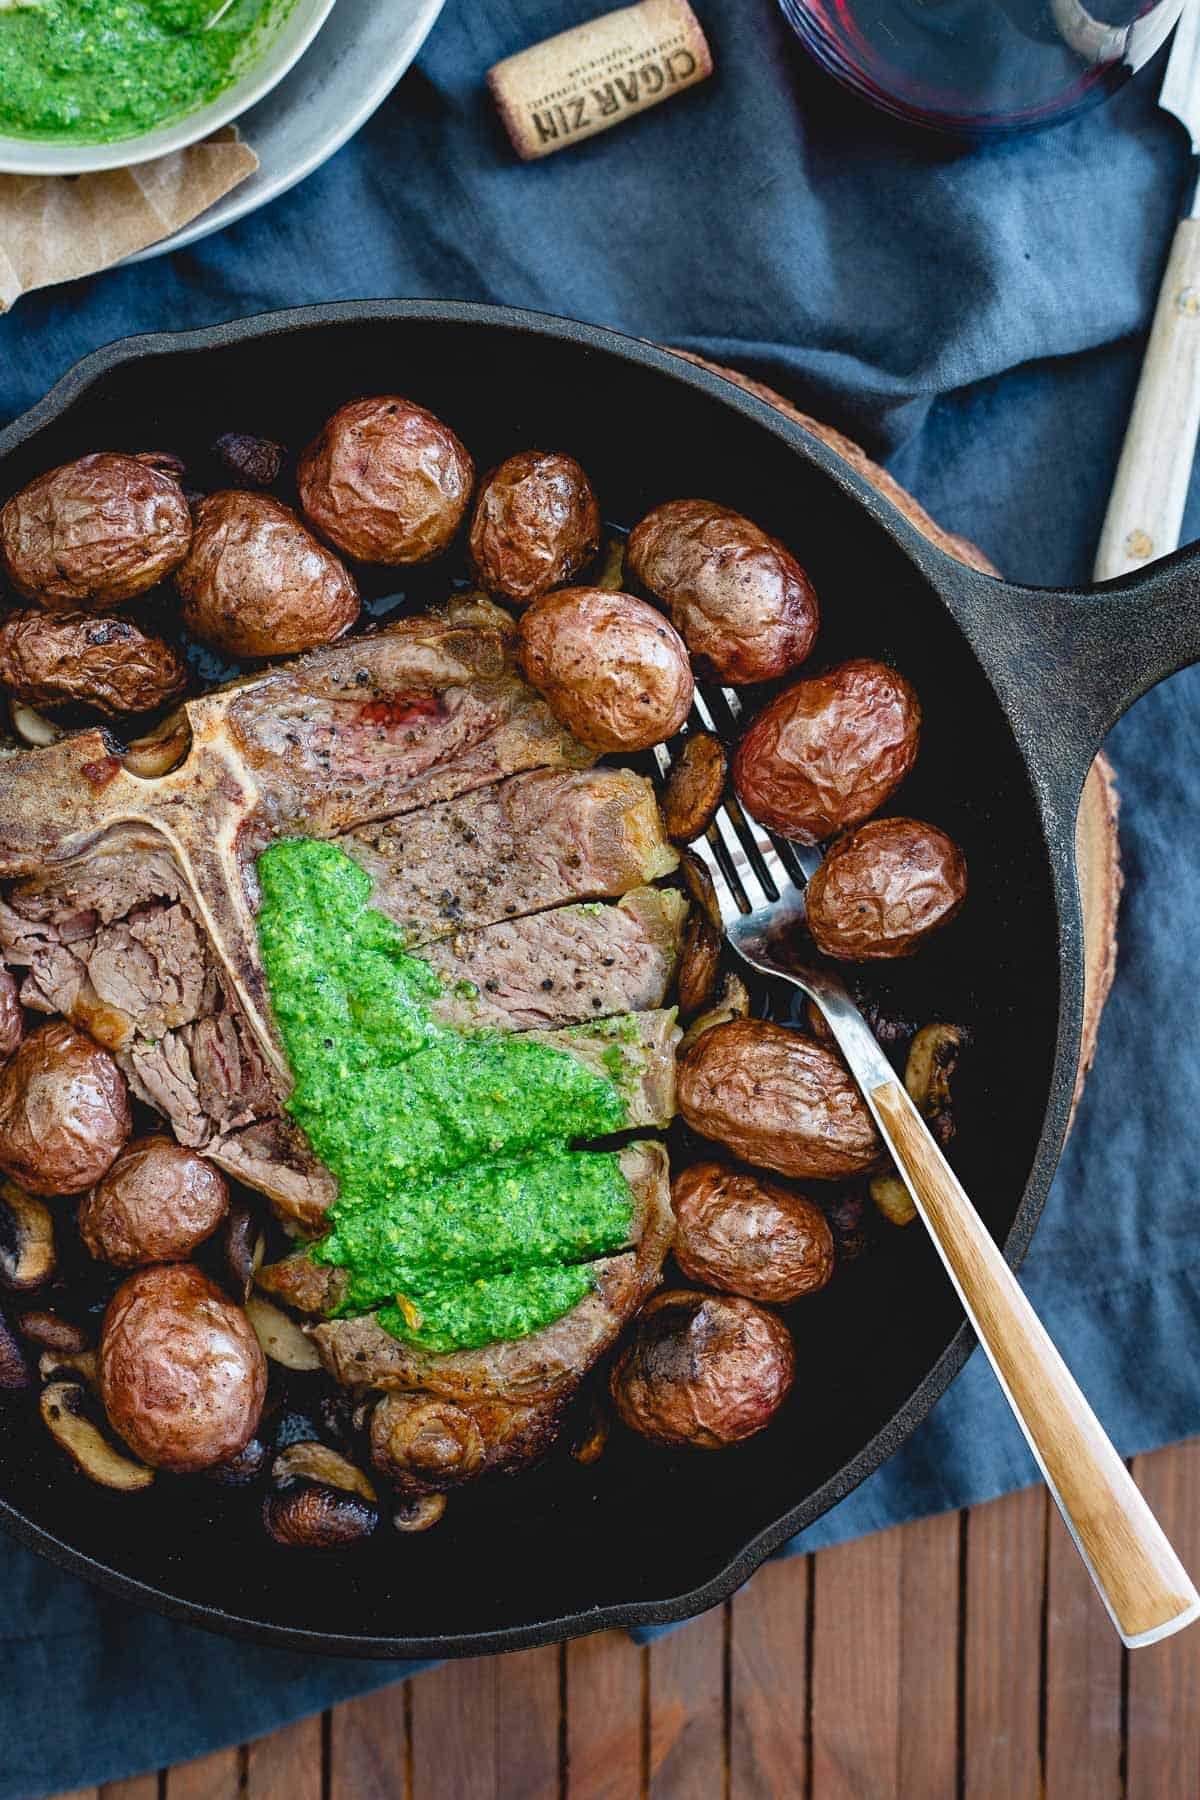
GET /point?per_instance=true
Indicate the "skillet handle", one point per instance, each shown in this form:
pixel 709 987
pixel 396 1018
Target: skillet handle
pixel 1068 663
pixel 1139 1577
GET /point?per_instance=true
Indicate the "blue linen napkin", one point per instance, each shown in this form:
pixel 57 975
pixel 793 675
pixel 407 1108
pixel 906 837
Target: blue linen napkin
pixel 973 317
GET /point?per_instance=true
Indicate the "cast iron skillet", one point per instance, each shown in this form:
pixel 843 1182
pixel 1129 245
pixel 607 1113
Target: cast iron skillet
pixel 1019 687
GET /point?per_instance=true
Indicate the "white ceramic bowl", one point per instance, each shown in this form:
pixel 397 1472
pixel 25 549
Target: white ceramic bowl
pixel 281 46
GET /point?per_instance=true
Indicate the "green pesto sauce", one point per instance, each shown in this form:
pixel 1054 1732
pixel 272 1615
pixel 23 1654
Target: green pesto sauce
pixel 459 1198
pixel 96 71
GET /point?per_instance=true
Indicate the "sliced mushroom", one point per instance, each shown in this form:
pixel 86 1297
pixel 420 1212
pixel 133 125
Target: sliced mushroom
pixel 83 1363
pixel 893 1199
pixel 932 1060
pixel 160 750
pixel 242 1249
pixel 733 1002
pixel 252 461
pixel 312 1461
pixel 281 1338
pixel 694 787
pixel 308 1517
pixel 14 1370
pixel 26 1239
pixel 699 885
pixel 612 566
pixel 50 1332
pixel 239 1470
pixel 419 1513
pixel 699 964
pixel 32 727
pixel 65 1413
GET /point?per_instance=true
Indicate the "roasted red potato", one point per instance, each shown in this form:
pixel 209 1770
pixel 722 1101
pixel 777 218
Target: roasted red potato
pixel 703 1369
pixel 182 1375
pixel 257 583
pixel 882 889
pixel 64 1111
pixel 741 602
pixel 386 481
pixel 611 667
pixel 56 659
pixel 534 526
pixel 778 1099
pixel 157 1202
pixel 90 534
pixel 12 1019
pixel 746 1234
pixel 829 750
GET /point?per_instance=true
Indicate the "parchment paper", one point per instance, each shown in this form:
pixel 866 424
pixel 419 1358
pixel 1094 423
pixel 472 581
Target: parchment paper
pixel 54 227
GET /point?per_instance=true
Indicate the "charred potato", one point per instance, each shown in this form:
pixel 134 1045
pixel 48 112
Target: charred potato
pixel 748 1235
pixel 778 1099
pixel 54 659
pixel 157 1202
pixel 534 526
pixel 703 1369
pixel 64 1111
pixel 257 583
pixel 881 890
pixel 611 667
pixel 386 481
pixel 829 750
pixel 90 534
pixel 694 787
pixel 12 1019
pixel 181 1374
pixel 741 602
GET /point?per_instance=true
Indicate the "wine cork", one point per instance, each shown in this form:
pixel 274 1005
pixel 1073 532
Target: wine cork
pixel 598 75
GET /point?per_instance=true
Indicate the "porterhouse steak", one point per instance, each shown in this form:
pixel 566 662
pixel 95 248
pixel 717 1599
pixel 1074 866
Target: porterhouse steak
pixel 492 842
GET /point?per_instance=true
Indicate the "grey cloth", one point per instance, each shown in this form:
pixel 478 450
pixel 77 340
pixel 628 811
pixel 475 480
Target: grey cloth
pixel 976 318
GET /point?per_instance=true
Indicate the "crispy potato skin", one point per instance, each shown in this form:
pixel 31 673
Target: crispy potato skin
pixel 829 750
pixel 693 789
pixel 92 533
pixel 611 667
pixel 386 481
pixel 703 1369
pixel 746 1234
pixel 778 1099
pixel 182 1376
pixel 12 1019
pixel 64 1111
pixel 257 583
pixel 743 605
pixel 881 890
pixel 53 659
pixel 535 525
pixel 157 1202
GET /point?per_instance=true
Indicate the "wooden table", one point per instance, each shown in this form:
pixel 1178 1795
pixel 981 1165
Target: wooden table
pixel 964 1656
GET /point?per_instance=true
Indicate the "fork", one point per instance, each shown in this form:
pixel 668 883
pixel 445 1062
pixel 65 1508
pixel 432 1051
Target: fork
pixel 756 880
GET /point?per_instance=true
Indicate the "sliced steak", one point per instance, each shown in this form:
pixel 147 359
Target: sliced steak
pixel 516 847
pixel 426 1443
pixel 273 1157
pixel 548 1364
pixel 560 967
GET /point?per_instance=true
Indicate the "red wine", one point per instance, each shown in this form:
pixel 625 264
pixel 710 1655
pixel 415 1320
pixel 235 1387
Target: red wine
pixel 982 67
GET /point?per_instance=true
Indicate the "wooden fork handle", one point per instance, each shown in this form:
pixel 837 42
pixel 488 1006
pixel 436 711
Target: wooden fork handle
pixel 1140 1579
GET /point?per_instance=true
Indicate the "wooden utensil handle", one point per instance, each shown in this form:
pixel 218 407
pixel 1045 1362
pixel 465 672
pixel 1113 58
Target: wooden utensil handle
pixel 1145 510
pixel 1141 1580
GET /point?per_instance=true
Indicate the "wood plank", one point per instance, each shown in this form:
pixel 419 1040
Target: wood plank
pixel 286 1765
pixel 138 1787
pixel 368 1746
pixel 1083 1679
pixel 215 1777
pixel 930 1585
pixel 528 1720
pixel 855 1669
pixel 605 1679
pixel 686 1689
pixel 768 1723
pixel 1002 1663
pixel 1164 1679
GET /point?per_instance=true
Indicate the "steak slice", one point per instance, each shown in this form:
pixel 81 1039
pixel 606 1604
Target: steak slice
pixel 543 1367
pixel 516 847
pixel 426 1443
pixel 563 966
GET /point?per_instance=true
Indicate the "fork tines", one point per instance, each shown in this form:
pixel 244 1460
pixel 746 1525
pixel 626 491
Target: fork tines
pixel 749 868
